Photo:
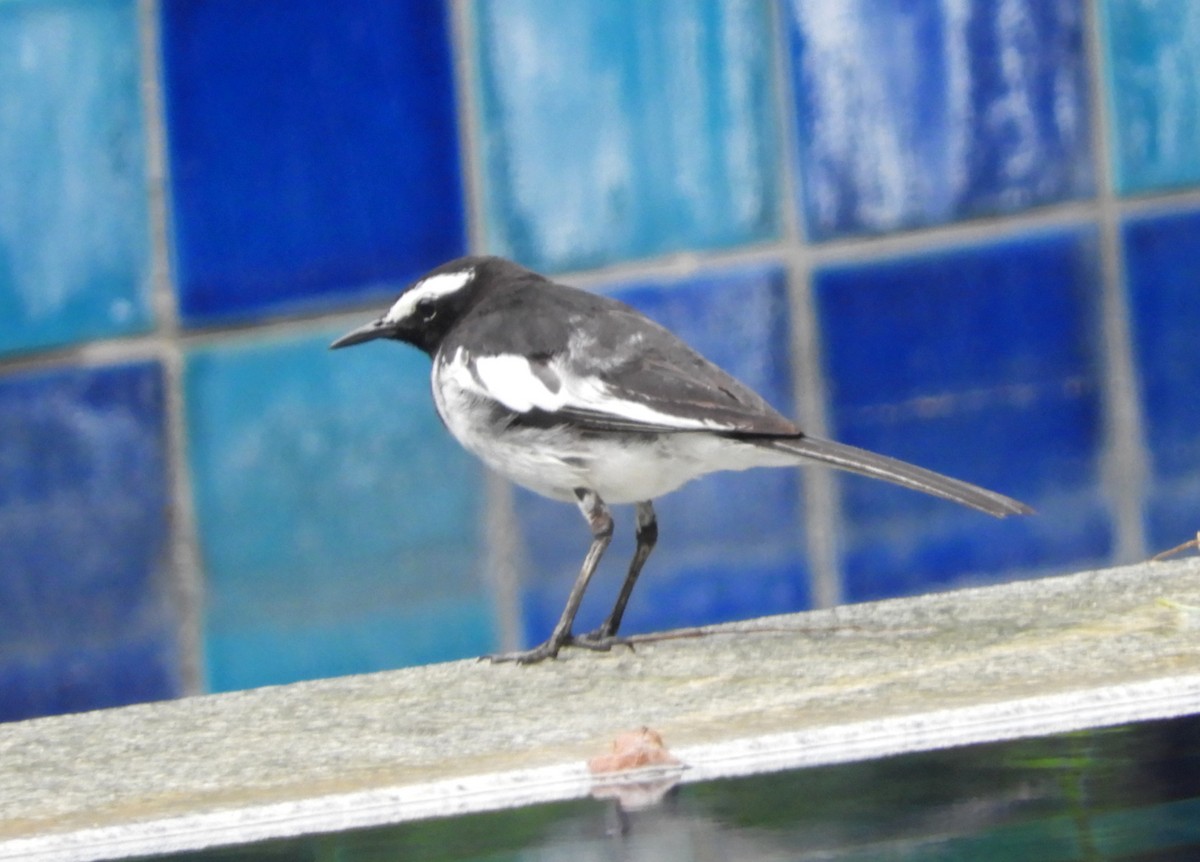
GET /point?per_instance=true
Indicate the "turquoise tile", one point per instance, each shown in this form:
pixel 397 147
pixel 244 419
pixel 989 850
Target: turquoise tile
pixel 1153 76
pixel 339 523
pixel 307 648
pixel 74 236
pixel 615 129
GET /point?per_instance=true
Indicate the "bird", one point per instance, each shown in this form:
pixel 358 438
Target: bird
pixel 579 397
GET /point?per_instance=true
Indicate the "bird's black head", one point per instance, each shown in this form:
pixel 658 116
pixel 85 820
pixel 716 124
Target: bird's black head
pixel 434 303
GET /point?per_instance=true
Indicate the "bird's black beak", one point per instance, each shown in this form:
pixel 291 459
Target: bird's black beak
pixel 374 329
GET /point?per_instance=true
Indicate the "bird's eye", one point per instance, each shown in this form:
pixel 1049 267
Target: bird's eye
pixel 427 310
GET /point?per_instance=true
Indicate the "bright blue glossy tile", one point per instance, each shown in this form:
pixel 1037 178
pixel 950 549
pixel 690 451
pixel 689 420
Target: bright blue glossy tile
pixel 313 151
pixel 74 239
pixel 979 363
pixel 913 113
pixel 615 129
pixel 1163 271
pixel 85 617
pixel 339 522
pixel 1153 77
pixel 731 546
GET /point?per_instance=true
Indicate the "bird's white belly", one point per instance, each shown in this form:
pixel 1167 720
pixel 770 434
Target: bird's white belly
pixel 620 467
pixel 619 471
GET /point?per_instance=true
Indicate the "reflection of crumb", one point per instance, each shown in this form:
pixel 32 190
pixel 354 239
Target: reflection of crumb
pixel 635 795
pixel 636 749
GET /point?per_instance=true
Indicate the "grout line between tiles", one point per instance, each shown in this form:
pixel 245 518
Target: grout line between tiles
pixel 503 549
pixel 462 36
pixel 1157 202
pixel 850 251
pixel 821 510
pixel 186 582
pixel 1124 458
pixel 969 232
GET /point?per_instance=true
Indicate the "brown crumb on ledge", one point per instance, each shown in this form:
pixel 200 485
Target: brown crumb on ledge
pixel 635 749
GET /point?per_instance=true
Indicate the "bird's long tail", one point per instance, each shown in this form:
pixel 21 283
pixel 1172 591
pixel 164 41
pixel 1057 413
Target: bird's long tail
pixel 855 460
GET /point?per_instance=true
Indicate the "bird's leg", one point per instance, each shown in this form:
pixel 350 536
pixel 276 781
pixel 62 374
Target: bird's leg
pixel 601 523
pixel 647 535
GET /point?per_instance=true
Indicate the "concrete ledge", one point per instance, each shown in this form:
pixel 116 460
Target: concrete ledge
pixel 863 681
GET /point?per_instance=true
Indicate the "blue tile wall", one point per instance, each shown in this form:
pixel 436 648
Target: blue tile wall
pixel 731 546
pixel 914 113
pixel 314 151
pixel 732 160
pixel 616 129
pixel 1153 77
pixel 979 363
pixel 74 234
pixel 1164 271
pixel 339 522
pixel 85 614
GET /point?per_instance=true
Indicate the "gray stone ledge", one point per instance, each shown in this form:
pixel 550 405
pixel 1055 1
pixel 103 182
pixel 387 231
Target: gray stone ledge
pixel 861 681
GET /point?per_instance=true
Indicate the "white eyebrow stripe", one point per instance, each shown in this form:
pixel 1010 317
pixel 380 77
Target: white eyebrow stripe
pixel 511 380
pixel 434 287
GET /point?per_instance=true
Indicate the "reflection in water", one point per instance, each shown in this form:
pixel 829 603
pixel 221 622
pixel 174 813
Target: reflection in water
pixel 1118 794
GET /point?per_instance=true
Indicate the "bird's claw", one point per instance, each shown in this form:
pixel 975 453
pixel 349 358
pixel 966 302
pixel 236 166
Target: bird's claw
pixel 596 641
pixel 541 652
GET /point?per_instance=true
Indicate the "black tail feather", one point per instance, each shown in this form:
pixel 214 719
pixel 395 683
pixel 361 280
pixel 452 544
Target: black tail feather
pixel 855 460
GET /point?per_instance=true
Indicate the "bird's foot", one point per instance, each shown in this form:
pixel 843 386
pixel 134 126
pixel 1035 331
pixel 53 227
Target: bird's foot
pixel 541 652
pixel 599 640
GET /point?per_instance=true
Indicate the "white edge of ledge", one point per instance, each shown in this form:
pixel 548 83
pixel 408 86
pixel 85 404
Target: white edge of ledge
pixel 1006 720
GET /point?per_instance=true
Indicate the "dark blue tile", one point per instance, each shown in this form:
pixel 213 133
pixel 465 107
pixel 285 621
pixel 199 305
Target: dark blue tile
pixel 731 546
pixel 313 150
pixel 614 129
pixel 141 667
pixel 1163 271
pixel 85 613
pixel 913 113
pixel 1153 78
pixel 339 523
pixel 979 363
pixel 74 226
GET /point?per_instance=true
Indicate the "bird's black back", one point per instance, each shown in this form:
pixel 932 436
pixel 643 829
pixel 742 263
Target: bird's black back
pixel 600 337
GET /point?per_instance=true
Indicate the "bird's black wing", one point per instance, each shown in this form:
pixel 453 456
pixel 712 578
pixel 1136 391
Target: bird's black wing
pixel 560 355
pixel 566 356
